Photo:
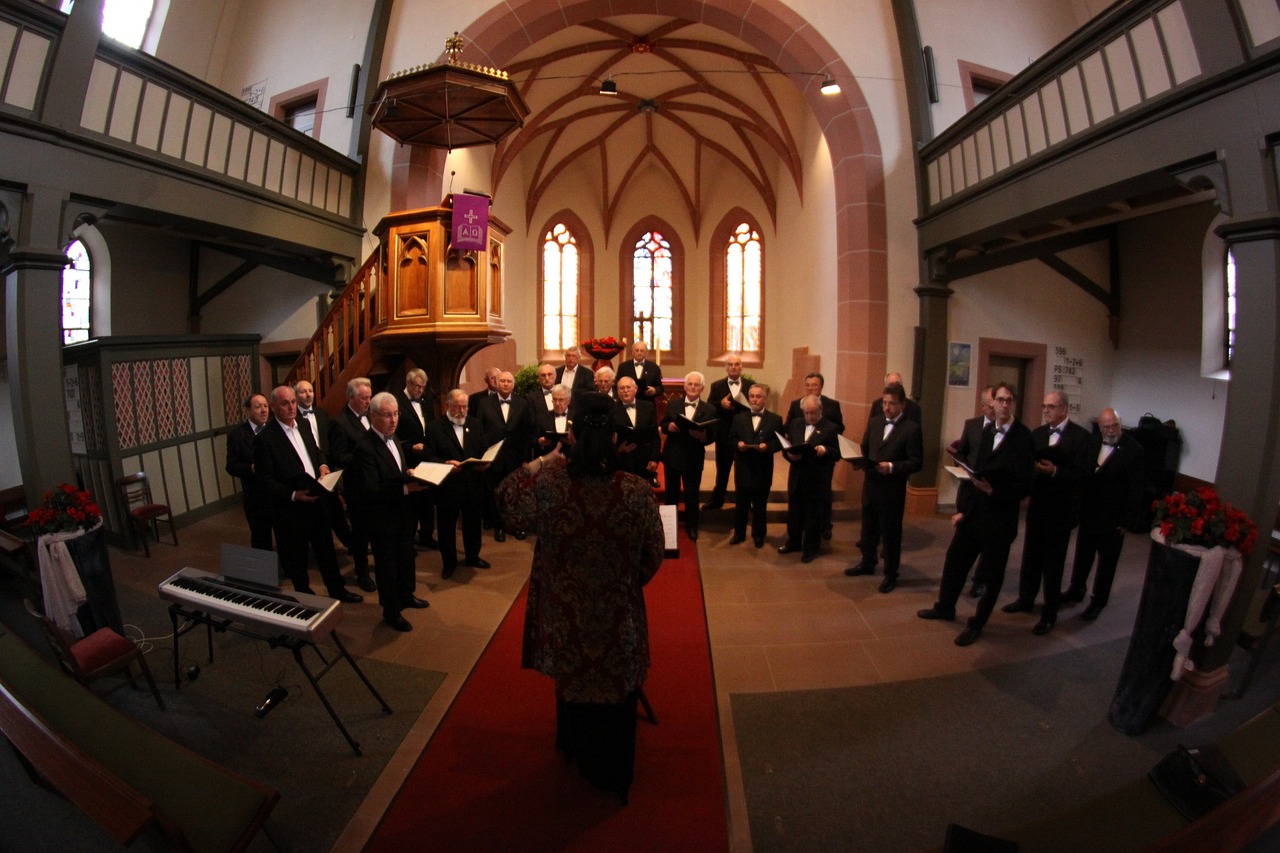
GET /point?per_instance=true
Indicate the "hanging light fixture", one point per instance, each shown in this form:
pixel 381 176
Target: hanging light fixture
pixel 609 87
pixel 830 86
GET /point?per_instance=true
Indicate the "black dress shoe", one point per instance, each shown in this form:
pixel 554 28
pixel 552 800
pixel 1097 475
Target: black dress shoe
pixel 826 534
pixel 977 590
pixel 399 623
pixel 759 541
pixel 935 613
pixel 692 531
pixel 430 543
pixel 418 603
pixel 888 584
pixel 1018 606
pixel 1043 627
pixel 787 548
pixel 346 596
pixel 859 570
pixel 447 572
pixel 478 563
pixel 366 583
pixel 808 556
pixel 968 636
pixel 737 538
pixel 709 505
pixel 499 535
pixel 1073 595
pixel 1092 611
pixel 520 535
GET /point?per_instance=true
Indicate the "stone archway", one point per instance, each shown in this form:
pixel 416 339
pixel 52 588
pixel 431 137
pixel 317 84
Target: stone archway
pixel 861 286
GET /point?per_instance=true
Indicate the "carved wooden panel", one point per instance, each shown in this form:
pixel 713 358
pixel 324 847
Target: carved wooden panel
pixel 495 277
pixel 461 285
pixel 414 278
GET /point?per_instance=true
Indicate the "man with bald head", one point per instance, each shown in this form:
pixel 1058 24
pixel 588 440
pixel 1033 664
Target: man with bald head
pixel 1112 503
pixel 689 425
pixel 638 437
pixel 540 397
pixel 644 371
pixel 508 418
pixel 1059 448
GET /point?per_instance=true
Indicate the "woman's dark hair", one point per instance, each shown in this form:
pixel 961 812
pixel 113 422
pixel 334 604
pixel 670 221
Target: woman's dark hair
pixel 594 454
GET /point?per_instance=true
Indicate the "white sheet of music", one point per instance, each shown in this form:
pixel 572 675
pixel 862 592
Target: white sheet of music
pixel 331 479
pixel 849 449
pixel 431 472
pixel 670 527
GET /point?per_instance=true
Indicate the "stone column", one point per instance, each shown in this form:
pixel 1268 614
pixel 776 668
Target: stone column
pixel 934 295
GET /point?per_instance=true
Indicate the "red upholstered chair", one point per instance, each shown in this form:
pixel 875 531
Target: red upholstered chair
pixel 144 513
pixel 102 653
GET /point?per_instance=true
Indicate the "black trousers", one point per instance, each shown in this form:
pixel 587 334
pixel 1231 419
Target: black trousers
pixel 724 466
pixel 303 526
pixel 394 562
pixel 967 544
pixel 1104 542
pixel 752 485
pixel 600 739
pixel 882 517
pixel 687 484
pixel 447 513
pixel 1044 554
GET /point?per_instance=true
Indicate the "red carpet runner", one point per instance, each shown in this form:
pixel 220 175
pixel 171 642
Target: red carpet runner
pixel 491 779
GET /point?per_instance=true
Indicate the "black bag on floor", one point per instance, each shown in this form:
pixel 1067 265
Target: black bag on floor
pixel 1196 781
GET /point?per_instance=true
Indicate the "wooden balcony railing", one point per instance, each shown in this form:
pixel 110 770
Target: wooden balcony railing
pixel 340 339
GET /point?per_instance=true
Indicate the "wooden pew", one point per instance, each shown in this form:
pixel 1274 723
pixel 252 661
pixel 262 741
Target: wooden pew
pixel 125 776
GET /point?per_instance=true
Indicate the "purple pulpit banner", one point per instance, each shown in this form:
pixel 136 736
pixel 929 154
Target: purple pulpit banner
pixel 470 222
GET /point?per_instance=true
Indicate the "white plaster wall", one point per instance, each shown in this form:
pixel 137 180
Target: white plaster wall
pixel 996 305
pixel 148 281
pixel 1158 365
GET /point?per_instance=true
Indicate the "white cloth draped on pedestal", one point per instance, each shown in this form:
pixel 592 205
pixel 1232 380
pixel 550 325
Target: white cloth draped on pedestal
pixel 1214 585
pixel 60 580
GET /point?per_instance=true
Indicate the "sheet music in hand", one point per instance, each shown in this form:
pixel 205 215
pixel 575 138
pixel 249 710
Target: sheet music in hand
pixel 956 471
pixel 330 480
pixel 431 472
pixel 849 449
pixel 802 448
pixel 489 455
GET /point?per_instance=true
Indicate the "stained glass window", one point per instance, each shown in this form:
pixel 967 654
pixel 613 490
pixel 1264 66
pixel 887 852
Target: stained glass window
pixel 77 283
pixel 652 299
pixel 744 274
pixel 560 285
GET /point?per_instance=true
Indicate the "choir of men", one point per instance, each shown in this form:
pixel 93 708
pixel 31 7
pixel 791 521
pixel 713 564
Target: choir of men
pixel 286 444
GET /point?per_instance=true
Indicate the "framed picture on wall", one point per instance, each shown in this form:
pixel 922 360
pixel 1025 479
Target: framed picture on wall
pixel 959 361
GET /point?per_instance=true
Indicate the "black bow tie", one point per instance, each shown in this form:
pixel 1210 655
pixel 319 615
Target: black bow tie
pixel 304 412
pixel 1056 430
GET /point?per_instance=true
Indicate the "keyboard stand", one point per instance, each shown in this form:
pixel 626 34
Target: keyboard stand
pixel 294 644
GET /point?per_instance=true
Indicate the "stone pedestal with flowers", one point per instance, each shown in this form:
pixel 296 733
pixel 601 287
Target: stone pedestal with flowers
pixel 77 589
pixel 1197 550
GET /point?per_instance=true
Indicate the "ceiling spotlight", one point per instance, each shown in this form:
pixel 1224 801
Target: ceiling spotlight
pixel 608 87
pixel 830 87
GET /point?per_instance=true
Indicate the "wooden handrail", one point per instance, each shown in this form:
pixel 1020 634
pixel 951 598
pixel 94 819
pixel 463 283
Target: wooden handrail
pixel 352 317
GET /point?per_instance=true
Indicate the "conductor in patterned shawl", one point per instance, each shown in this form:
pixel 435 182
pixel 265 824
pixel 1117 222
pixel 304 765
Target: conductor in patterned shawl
pixel 599 542
pixel 380 463
pixel 754 439
pixel 892 450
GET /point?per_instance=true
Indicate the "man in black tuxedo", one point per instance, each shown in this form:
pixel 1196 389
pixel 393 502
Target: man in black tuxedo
pixel 892 450
pixel 1060 448
pixel 987 523
pixel 579 376
pixel 729 396
pixel 684 453
pixel 387 492
pixel 753 435
pixel 815 447
pixel 965 449
pixel 540 396
pixel 509 419
pixel 639 440
pixel 287 462
pixel 644 371
pixel 318 420
pixel 551 427
pixel 910 409
pixel 813 385
pixel 490 389
pixel 1112 502
pixel 257 508
pixel 345 430
pixel 452 439
pixel 411 428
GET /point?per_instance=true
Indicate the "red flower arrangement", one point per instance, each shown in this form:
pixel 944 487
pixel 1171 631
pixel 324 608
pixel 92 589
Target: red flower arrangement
pixel 606 347
pixel 1200 517
pixel 65 509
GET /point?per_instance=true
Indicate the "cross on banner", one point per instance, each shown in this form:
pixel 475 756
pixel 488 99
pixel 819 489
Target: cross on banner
pixel 470 222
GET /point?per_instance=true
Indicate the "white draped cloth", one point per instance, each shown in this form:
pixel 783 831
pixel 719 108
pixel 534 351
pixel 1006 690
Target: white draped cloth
pixel 60 580
pixel 1214 585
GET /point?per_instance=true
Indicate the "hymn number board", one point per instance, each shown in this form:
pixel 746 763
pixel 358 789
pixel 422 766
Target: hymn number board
pixel 1068 377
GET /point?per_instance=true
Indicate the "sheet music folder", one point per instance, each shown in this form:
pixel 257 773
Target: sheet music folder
pixel 670 530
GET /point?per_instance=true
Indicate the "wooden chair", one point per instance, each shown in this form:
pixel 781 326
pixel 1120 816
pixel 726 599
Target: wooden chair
pixel 144 513
pixel 102 653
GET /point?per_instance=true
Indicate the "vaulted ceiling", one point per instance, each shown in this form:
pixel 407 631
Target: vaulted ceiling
pixel 693 102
